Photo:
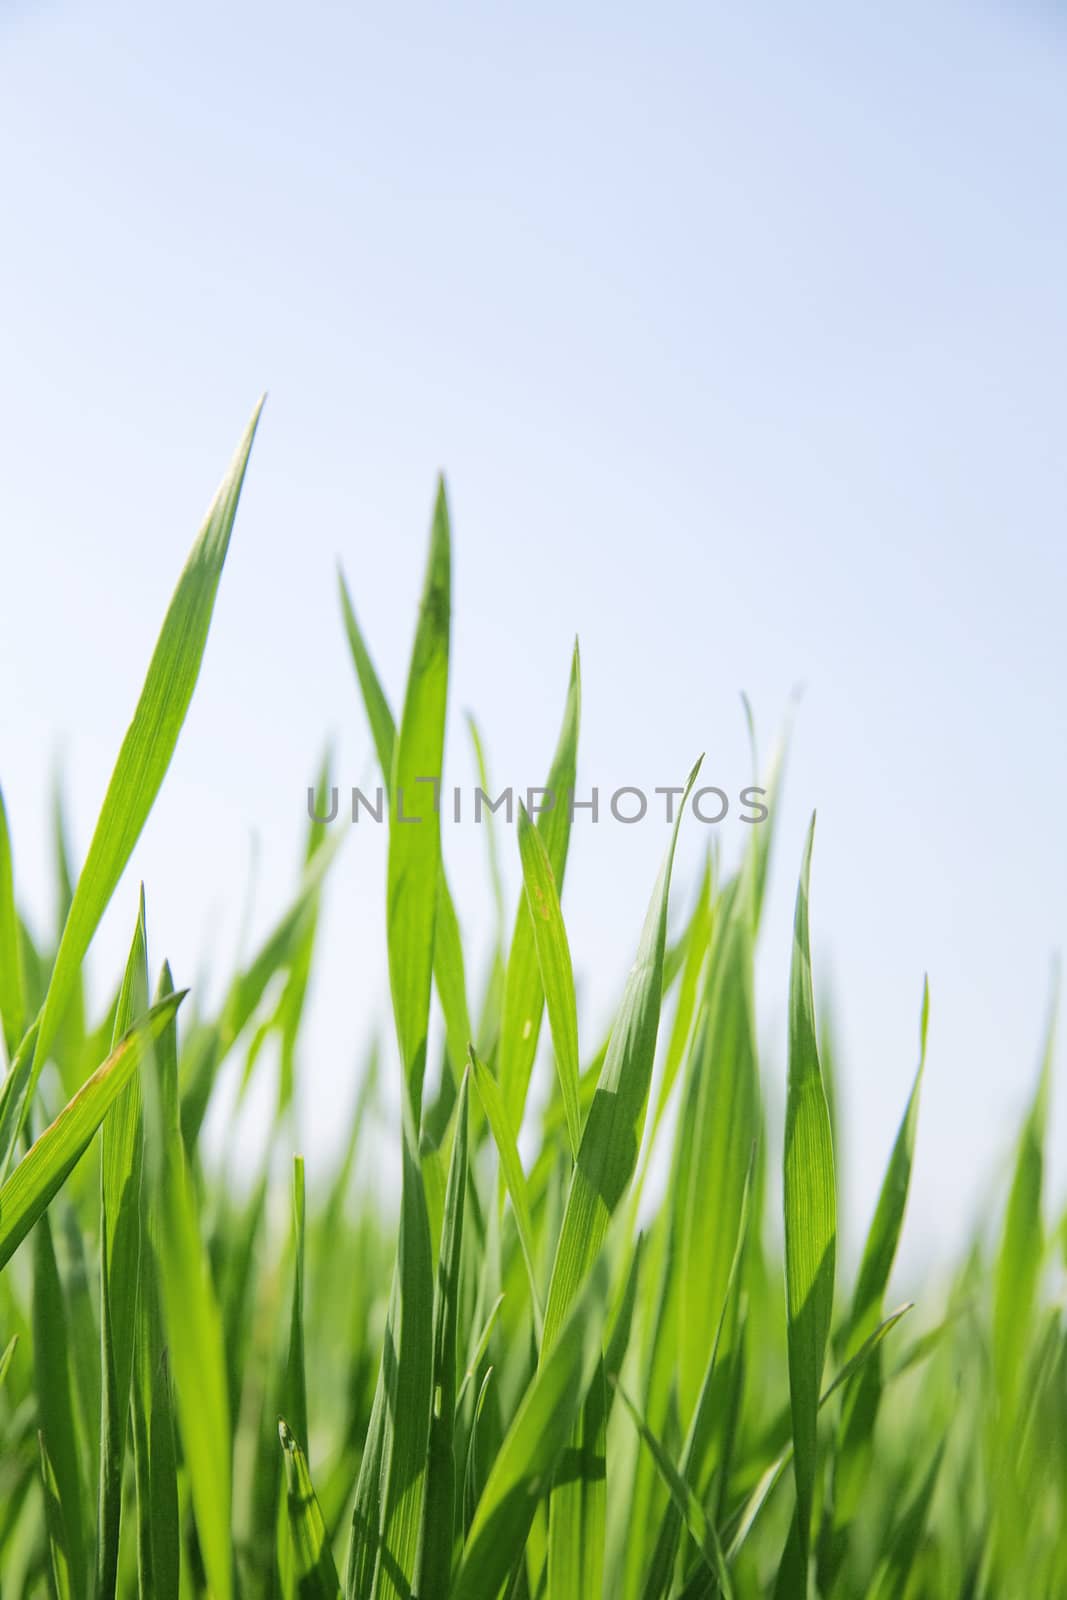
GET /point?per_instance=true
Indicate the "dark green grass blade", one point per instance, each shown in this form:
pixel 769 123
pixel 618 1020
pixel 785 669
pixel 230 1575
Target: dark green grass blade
pixel 315 1573
pixel 533 1446
pixel 434 1565
pixel 45 1167
pixel 120 1260
pixel 66 1502
pixel 148 745
pixel 56 1528
pixel 520 1023
pixel 554 965
pixel 810 1213
pixel 12 989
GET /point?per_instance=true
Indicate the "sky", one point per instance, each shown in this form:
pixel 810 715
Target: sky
pixel 741 337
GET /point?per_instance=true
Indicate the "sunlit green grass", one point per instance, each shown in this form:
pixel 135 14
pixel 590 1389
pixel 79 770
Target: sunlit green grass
pixel 507 1388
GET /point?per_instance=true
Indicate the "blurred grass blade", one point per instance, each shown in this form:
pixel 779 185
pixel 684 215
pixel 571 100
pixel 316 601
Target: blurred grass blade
pixel 12 995
pixel 294 1382
pixel 45 1167
pixel 520 1023
pixel 11 1095
pixel 149 742
pixel 554 964
pixel 532 1448
pixel 514 1178
pixel 120 1260
pixel 6 1355
pixel 316 1575
pixel 434 1564
pixel 810 1212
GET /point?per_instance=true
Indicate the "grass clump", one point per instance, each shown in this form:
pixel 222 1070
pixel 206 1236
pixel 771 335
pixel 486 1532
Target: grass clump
pixel 510 1389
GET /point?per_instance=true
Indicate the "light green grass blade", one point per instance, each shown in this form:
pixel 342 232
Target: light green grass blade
pixel 7 1354
pixel 294 1400
pixel 448 965
pixel 724 1120
pixel 120 1261
pixel 192 1321
pixel 46 1166
pixel 533 1446
pixel 12 993
pixel 149 742
pixel 612 1137
pixel 492 1102
pixel 434 1564
pixel 520 1023
pixel 11 1096
pixel 554 965
pixel 810 1212
pixel 316 1575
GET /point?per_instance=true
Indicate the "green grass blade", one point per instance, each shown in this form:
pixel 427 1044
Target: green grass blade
pixel 12 990
pixel 554 964
pixel 150 739
pixel 612 1137
pixel 67 1518
pixel 12 1096
pixel 46 1166
pixel 434 1565
pixel 533 1446
pixel 120 1260
pixel 686 1504
pixel 56 1526
pixel 415 845
pixel 316 1575
pixel 492 1103
pixel 520 1023
pixel 810 1212
pixel 192 1320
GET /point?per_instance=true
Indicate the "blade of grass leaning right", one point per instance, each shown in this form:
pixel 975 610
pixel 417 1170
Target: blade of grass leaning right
pixel 488 1092
pixel 142 761
pixel 387 1514
pixel 810 1231
pixel 859 1407
pixel 554 964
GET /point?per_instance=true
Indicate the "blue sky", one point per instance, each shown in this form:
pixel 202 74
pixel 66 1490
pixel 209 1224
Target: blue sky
pixel 741 336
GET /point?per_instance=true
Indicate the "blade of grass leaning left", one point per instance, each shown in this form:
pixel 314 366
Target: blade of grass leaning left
pixel 139 772
pixel 389 1494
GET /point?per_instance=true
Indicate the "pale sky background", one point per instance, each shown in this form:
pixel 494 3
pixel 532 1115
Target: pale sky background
pixel 741 334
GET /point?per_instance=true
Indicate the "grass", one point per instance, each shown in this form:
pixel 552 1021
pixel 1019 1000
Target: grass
pixel 508 1389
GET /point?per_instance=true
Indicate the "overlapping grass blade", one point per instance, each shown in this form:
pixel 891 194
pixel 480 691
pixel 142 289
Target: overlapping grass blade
pixel 492 1103
pixel 12 995
pixel 523 1003
pixel 43 1170
pixel 533 1445
pixel 68 1524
